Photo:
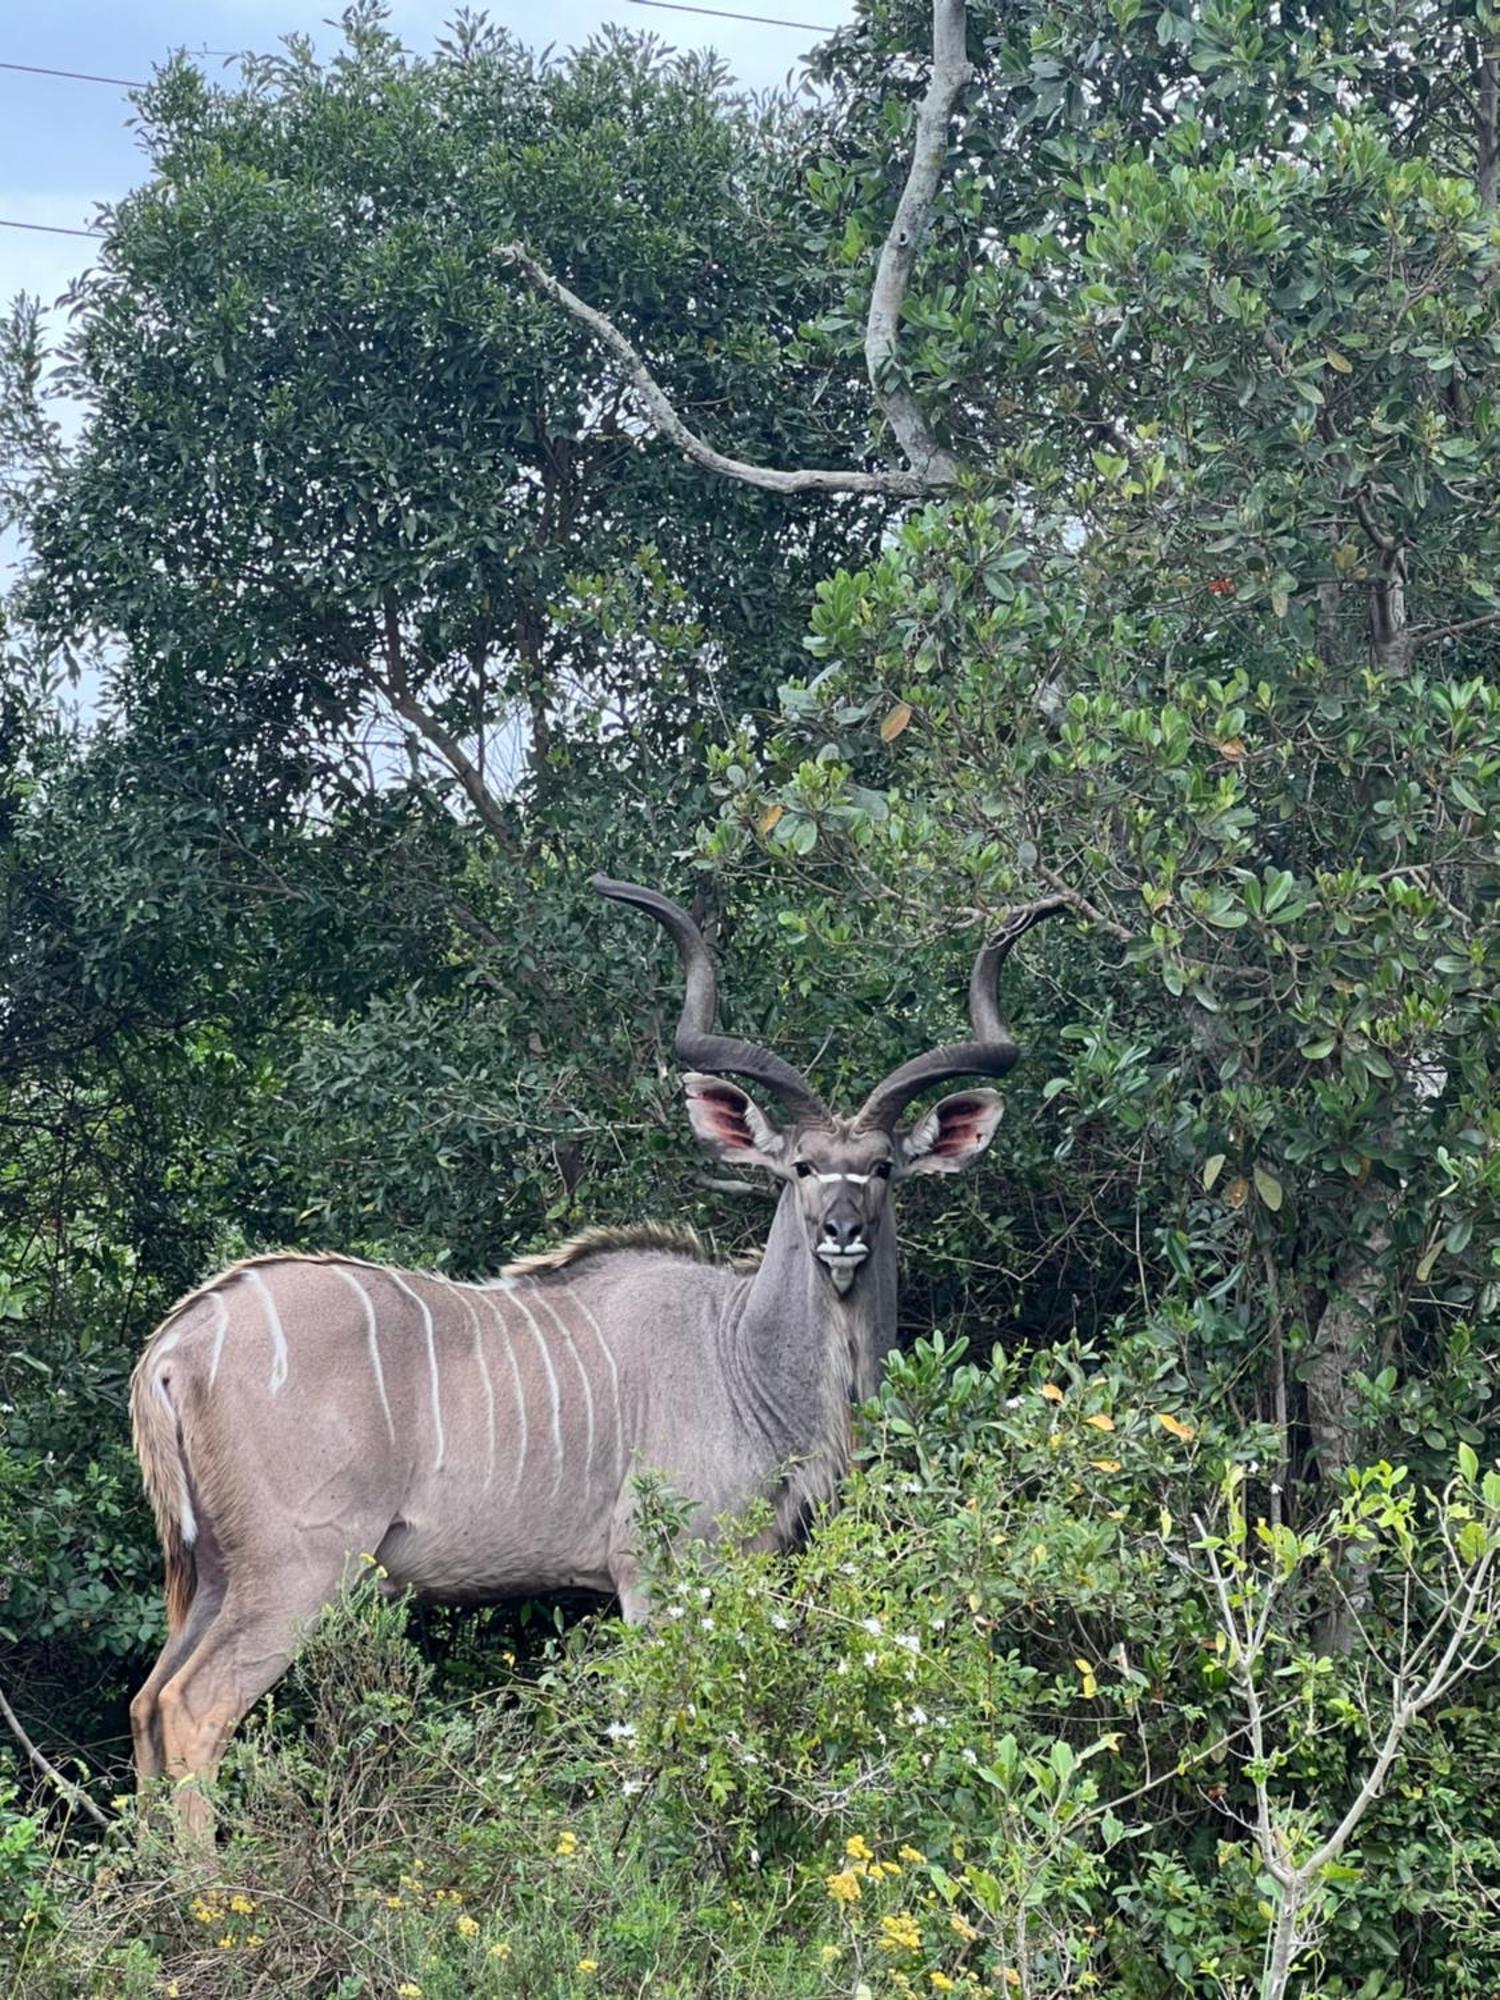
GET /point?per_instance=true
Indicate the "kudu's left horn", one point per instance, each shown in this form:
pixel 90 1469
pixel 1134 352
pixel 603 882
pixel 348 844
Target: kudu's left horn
pixel 993 1050
pixel 696 1043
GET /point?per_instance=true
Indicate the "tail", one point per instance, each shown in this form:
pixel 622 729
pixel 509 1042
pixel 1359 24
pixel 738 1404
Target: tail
pixel 157 1435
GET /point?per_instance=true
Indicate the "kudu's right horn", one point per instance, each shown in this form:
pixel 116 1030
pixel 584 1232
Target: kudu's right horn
pixel 696 1043
pixel 993 1050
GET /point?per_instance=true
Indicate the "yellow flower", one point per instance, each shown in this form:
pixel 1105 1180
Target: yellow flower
pixel 226 1941
pixel 393 1902
pixel 900 1933
pixel 829 1952
pixel 466 1927
pixel 567 1843
pixel 844 1887
pixel 913 1854
pixel 500 1950
pixel 254 1939
pixel 408 1990
pixel 964 1928
pixel 1009 1974
pixel 588 1965
pixel 858 1849
pixel 941 1981
pixel 172 1989
pixel 241 1905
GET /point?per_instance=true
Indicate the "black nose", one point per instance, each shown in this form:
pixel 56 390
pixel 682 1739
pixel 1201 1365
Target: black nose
pixel 842 1228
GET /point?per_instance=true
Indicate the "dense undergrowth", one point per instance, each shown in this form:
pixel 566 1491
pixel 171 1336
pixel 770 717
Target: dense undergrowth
pixel 980 1735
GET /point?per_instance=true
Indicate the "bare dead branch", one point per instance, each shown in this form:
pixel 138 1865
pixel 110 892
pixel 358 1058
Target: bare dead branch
pixel 898 254
pixel 932 468
pixel 1487 171
pixel 74 1794
pixel 671 426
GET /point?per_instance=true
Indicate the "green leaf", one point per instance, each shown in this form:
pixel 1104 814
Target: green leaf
pixel 1268 1188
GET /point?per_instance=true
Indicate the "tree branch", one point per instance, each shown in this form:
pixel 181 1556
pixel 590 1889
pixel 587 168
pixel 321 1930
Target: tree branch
pixel 672 427
pixel 397 690
pixel 1488 135
pixel 74 1794
pixel 932 468
pixel 950 72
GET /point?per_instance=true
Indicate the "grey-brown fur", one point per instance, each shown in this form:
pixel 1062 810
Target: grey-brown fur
pixel 298 1414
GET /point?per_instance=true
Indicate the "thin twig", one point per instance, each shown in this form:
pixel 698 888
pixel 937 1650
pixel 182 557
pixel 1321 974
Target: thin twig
pixel 74 1794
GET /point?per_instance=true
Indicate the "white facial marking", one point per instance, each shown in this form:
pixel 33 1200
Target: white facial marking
pixel 372 1341
pixel 583 1376
pixel 273 1324
pixel 614 1376
pixel 219 1329
pixel 536 1334
pixel 859 1180
pixel 432 1367
pixel 515 1375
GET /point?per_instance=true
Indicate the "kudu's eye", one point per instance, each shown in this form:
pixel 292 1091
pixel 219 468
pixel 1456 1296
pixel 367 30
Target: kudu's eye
pixel 804 1168
pixel 882 1170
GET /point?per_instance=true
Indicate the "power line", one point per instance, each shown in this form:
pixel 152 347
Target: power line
pixel 721 14
pixel 86 76
pixel 48 228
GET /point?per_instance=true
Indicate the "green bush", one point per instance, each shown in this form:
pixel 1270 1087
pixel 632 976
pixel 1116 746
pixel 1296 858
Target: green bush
pixel 981 1734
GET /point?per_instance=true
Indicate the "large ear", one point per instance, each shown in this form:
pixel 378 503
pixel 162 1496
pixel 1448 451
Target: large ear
pixel 955 1131
pixel 732 1125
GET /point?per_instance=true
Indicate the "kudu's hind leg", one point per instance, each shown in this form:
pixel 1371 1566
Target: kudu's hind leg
pixel 246 1650
pixel 145 1719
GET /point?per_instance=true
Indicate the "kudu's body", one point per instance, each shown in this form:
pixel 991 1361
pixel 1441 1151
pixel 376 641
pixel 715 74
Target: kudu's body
pixel 482 1441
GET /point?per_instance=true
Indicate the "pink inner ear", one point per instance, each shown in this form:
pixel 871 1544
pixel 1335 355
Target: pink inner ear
pixel 959 1131
pixel 726 1118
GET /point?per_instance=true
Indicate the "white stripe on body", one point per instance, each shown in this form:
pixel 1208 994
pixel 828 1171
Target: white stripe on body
pixel 487 1293
pixel 557 1450
pixel 432 1367
pixel 484 1370
pixel 371 1336
pixel 219 1330
pixel 273 1324
pixel 614 1378
pixel 583 1376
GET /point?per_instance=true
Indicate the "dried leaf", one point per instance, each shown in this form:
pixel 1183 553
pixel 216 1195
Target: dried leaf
pixel 771 818
pixel 1086 1674
pixel 1237 1192
pixel 1105 1465
pixel 1053 1394
pixel 1175 1426
pixel 1212 1168
pixel 1100 1422
pixel 895 722
pixel 1233 750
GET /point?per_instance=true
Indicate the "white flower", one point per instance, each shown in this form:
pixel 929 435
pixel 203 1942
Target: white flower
pixel 630 1786
pixel 706 1624
pixel 937 1624
pixel 908 1642
pixel 779 1622
pixel 872 1626
pixel 969 1757
pixel 621 1732
pixel 916 1715
pixel 676 1611
pixel 842 1667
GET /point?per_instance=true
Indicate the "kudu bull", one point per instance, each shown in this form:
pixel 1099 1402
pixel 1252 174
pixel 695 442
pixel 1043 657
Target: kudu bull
pixel 481 1440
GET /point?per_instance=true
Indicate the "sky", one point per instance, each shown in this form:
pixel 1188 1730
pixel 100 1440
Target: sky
pixel 66 146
